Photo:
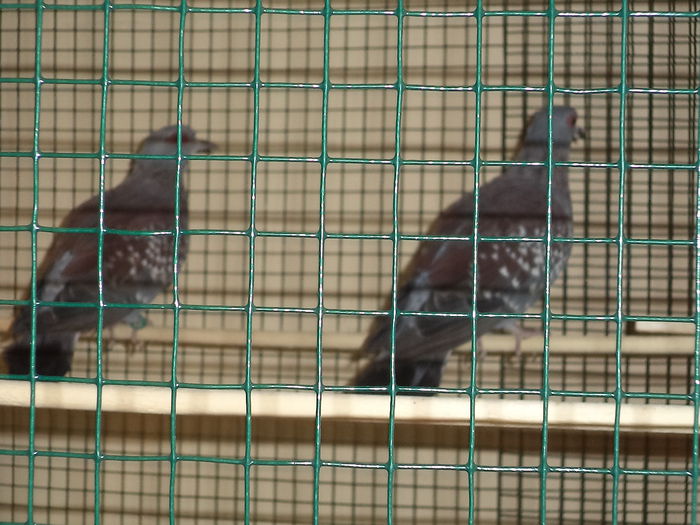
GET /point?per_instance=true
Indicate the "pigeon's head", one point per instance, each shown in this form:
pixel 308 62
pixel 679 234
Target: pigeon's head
pixel 164 142
pixel 564 128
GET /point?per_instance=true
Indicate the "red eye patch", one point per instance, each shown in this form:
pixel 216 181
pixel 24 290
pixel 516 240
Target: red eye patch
pixel 173 138
pixel 571 120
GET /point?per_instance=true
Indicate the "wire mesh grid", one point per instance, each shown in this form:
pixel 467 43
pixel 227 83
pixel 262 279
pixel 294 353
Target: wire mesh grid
pixel 345 126
pixel 211 481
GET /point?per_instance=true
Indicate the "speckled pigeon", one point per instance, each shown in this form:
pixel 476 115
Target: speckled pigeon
pixel 135 268
pixel 510 274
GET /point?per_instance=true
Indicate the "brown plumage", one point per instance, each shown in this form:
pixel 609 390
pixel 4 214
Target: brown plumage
pixel 135 268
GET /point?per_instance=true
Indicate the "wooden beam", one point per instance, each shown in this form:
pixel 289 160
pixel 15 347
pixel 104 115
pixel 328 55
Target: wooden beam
pixel 301 405
pixel 680 343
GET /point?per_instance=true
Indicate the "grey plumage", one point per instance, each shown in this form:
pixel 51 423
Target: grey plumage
pixel 134 268
pixel 510 274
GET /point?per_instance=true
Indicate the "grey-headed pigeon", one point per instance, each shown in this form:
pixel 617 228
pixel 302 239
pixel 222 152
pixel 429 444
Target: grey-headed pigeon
pixel 135 268
pixel 511 275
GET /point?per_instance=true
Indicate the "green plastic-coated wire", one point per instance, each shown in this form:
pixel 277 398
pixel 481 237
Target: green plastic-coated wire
pixel 695 453
pixel 36 155
pixel 619 292
pixel 250 305
pixel 318 387
pixel 546 314
pixel 622 240
pixel 395 230
pixel 477 165
pixel 99 378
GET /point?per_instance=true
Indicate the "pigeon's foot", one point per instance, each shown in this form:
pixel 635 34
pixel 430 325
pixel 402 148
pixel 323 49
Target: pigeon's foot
pixel 134 343
pixel 136 320
pixel 481 352
pixel 520 333
pixel 108 338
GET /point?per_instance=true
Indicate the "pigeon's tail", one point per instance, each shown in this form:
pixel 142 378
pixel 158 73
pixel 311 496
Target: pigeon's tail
pixel 54 355
pixel 408 373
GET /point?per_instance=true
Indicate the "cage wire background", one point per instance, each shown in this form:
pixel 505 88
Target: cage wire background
pixel 303 98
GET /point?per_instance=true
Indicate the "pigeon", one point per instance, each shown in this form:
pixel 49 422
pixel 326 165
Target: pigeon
pixel 510 275
pixel 135 268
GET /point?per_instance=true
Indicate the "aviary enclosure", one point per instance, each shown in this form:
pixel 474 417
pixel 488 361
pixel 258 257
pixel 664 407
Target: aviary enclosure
pixel 343 128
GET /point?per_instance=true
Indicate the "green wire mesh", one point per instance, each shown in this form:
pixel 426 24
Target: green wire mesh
pixel 346 126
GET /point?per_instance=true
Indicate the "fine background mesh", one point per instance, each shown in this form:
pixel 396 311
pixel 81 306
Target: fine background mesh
pixel 438 115
pixel 437 125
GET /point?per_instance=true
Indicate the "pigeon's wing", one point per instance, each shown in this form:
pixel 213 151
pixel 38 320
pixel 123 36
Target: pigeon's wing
pixel 438 279
pixel 71 258
pixel 135 268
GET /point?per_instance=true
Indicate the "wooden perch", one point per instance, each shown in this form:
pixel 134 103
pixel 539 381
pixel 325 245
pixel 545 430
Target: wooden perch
pixel 296 405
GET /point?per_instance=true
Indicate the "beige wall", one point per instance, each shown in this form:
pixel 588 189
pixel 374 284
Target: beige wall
pixel 361 124
pixel 436 125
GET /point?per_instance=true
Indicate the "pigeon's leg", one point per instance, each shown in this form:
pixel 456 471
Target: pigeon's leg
pixel 480 350
pixel 134 344
pixel 108 338
pixel 520 332
pixel 136 320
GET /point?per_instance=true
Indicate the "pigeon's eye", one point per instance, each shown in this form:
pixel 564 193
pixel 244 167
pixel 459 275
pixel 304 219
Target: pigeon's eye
pixel 173 138
pixel 572 120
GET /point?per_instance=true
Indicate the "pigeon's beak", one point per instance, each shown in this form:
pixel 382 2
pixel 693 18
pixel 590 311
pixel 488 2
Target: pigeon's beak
pixel 204 146
pixel 580 133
